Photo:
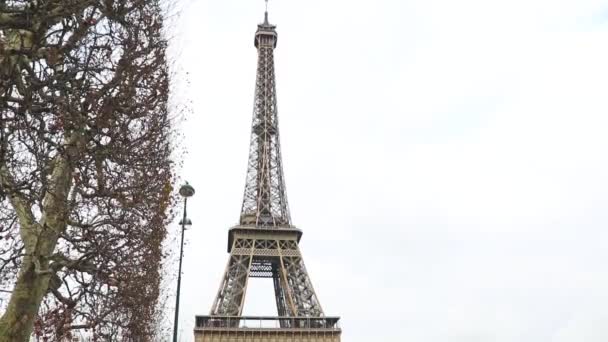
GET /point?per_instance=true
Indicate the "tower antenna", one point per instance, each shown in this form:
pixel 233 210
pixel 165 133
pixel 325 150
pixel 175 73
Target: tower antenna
pixel 266 14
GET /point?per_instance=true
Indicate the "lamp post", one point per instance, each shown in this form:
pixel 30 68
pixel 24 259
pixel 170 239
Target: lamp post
pixel 185 191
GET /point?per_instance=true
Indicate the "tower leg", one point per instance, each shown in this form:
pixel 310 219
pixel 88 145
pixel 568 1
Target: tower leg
pixel 300 288
pixel 231 295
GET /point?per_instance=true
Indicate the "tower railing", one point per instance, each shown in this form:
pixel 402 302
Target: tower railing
pixel 265 322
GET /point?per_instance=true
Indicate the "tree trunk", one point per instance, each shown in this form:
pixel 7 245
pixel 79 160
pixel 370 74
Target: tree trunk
pixel 40 241
pixel 18 319
pixel 17 322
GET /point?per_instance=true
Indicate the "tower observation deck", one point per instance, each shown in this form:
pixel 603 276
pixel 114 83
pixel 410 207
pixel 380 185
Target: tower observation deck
pixel 265 244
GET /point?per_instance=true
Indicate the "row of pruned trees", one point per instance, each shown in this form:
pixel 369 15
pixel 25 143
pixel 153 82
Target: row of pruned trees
pixel 85 168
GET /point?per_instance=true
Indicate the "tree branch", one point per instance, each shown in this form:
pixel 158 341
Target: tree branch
pixel 22 207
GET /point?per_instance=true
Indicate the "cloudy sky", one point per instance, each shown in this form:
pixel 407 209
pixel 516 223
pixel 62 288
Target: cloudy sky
pixel 446 160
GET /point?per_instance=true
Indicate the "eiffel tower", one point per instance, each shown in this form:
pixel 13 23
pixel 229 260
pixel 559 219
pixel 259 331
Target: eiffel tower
pixel 265 243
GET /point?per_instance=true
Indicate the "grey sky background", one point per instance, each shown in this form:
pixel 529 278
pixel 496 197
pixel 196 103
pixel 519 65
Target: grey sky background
pixel 445 159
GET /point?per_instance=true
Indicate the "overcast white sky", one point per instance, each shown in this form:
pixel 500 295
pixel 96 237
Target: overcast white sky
pixel 445 159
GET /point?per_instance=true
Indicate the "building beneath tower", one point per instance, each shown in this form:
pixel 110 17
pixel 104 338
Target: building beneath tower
pixel 265 244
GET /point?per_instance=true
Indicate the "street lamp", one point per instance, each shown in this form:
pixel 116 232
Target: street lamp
pixel 185 191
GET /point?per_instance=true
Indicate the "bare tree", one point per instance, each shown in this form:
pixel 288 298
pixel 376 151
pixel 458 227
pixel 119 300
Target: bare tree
pixel 85 167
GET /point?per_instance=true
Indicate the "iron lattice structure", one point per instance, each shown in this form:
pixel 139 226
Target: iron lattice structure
pixel 265 244
pixel 265 201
